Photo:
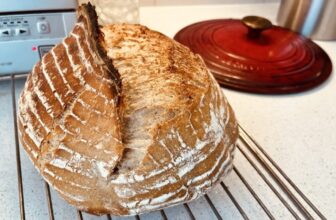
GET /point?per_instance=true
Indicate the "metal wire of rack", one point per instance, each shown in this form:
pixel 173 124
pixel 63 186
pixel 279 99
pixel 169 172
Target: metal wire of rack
pixel 257 188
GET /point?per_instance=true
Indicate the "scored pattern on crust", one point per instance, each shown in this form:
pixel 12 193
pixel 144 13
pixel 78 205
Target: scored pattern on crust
pixel 69 97
pixel 188 172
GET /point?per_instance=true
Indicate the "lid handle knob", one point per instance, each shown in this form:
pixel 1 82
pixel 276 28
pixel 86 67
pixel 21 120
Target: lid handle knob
pixel 256 25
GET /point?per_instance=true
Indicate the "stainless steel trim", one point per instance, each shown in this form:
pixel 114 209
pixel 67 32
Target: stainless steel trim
pixel 312 18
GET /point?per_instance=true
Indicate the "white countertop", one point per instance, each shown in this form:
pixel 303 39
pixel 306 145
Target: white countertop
pixel 298 131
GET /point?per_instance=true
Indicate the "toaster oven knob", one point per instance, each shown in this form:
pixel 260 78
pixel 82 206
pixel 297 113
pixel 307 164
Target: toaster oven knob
pixel 43 27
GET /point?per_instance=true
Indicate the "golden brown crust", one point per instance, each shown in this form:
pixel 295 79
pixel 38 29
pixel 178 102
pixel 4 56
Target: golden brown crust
pixel 168 142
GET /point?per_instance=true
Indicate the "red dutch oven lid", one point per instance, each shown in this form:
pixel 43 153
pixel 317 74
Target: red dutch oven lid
pixel 255 56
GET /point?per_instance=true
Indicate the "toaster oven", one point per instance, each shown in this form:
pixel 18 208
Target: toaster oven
pixel 28 29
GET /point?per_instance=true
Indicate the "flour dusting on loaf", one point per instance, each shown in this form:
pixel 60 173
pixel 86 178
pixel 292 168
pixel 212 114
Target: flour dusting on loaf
pixel 125 120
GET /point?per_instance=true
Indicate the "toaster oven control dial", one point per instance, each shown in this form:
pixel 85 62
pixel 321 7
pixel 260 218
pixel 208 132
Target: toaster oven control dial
pixel 43 27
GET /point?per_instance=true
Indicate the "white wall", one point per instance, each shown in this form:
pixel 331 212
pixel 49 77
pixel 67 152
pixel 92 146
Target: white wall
pixel 191 2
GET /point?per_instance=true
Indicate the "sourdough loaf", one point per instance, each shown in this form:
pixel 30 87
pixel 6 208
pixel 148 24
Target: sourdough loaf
pixel 124 120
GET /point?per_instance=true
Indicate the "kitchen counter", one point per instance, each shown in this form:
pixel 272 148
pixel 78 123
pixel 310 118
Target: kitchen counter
pixel 298 130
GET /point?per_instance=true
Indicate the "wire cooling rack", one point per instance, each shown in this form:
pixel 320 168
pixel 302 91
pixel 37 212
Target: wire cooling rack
pixel 257 188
